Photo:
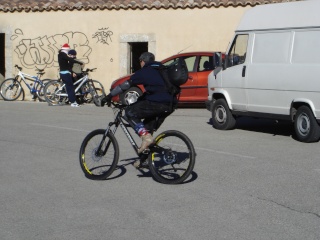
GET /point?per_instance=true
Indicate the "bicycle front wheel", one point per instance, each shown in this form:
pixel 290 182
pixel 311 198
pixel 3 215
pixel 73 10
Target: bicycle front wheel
pixel 52 92
pixel 92 88
pixel 172 159
pixel 10 89
pixel 40 89
pixel 99 154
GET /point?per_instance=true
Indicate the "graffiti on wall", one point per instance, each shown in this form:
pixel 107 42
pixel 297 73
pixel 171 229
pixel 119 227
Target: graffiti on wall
pixel 43 51
pixel 103 35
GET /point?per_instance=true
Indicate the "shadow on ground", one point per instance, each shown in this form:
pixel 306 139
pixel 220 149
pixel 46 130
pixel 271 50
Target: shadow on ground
pixel 268 126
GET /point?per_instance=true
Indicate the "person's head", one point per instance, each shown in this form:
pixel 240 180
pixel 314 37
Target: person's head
pixel 65 46
pixel 72 53
pixel 146 57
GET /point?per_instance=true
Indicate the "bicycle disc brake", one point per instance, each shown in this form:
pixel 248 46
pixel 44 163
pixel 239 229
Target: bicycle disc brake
pixel 169 157
pixel 96 156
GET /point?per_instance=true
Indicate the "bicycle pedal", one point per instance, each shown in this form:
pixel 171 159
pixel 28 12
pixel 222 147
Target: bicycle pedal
pixel 141 164
pixel 146 151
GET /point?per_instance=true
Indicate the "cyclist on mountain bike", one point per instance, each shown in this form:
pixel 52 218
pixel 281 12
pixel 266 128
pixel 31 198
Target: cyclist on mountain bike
pixel 155 102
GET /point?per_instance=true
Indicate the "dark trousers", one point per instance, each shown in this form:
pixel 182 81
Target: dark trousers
pixel 153 113
pixel 67 79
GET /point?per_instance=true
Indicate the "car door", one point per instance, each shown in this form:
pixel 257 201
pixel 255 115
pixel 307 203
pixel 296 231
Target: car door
pixel 204 65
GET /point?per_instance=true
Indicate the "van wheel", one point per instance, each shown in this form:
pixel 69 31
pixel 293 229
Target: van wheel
pixel 305 125
pixel 130 96
pixel 222 117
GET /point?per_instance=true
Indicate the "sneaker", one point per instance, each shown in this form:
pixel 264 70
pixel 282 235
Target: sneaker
pixel 75 104
pixel 147 140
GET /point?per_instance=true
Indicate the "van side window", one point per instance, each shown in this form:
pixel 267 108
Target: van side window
pixel 237 53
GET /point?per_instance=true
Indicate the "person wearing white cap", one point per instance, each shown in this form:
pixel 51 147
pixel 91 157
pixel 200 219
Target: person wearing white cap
pixel 65 64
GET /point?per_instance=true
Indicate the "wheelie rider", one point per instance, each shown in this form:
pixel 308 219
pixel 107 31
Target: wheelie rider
pixel 155 102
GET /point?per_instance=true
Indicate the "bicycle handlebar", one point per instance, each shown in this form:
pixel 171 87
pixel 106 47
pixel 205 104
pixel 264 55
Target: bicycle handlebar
pixel 89 70
pixel 117 105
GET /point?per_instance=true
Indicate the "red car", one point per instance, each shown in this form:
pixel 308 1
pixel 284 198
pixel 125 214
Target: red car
pixel 194 91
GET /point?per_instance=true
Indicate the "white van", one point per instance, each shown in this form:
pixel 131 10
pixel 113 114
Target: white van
pixel 271 69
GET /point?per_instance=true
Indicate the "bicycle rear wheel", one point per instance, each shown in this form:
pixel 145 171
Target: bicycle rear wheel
pixel 175 162
pixel 99 163
pixel 10 89
pixel 52 91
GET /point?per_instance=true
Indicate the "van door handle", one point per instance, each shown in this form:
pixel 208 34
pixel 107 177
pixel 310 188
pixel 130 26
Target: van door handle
pixel 244 71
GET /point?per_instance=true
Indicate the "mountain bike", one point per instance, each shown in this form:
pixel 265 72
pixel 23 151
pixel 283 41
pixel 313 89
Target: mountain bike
pixel 170 158
pixel 85 89
pixel 11 88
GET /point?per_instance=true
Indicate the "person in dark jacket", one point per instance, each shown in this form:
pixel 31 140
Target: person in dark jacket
pixel 65 64
pixel 156 102
pixel 76 67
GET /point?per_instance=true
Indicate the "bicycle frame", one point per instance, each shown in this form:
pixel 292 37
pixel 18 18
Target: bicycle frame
pixel 79 82
pixel 24 77
pixel 118 120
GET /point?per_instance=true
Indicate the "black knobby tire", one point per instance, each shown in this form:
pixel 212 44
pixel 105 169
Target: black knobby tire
pixel 98 166
pixel 130 96
pixel 10 89
pixel 50 92
pixel 222 117
pixel 176 164
pixel 305 125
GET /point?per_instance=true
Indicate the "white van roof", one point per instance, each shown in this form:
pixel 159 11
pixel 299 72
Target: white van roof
pixel 281 16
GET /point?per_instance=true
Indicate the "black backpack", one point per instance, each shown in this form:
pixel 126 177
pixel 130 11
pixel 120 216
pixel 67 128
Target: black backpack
pixel 174 75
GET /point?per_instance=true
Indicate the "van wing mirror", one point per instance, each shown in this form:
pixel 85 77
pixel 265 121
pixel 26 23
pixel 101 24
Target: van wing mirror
pixel 218 58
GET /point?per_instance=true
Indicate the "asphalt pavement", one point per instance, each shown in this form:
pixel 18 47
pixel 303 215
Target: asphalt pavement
pixel 253 182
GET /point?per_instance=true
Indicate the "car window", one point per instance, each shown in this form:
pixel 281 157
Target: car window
pixel 206 63
pixel 189 61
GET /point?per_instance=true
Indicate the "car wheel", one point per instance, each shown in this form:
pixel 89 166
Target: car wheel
pixel 222 117
pixel 130 96
pixel 305 125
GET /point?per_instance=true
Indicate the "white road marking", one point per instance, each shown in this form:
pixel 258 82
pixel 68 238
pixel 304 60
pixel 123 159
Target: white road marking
pixel 51 126
pixel 226 153
pixel 202 149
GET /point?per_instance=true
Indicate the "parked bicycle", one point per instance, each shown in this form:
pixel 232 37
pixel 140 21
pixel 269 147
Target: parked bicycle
pixel 85 89
pixel 170 158
pixel 11 88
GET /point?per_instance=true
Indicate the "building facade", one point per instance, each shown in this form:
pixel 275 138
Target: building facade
pixel 110 35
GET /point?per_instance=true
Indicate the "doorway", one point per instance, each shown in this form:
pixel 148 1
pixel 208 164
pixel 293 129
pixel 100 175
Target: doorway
pixel 2 54
pixel 136 49
pixel 131 47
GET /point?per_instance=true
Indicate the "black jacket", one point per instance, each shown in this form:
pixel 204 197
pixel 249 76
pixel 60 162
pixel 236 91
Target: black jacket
pixel 66 62
pixel 150 78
